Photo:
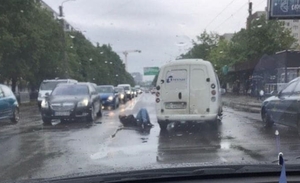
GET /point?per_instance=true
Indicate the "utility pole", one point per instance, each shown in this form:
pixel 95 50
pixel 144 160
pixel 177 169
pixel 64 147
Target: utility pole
pixel 65 55
pixel 249 19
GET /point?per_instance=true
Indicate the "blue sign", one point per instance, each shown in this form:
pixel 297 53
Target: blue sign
pixel 284 9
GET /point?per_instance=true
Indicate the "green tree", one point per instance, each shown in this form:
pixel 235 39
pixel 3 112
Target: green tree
pixel 202 47
pixel 33 45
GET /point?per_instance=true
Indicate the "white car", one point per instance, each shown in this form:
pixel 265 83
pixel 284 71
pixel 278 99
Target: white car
pixel 188 90
pixel 48 85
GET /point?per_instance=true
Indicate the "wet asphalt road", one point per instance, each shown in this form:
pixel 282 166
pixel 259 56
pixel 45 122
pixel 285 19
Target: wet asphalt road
pixel 30 150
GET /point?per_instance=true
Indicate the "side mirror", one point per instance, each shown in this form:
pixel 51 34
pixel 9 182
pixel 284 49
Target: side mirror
pixel 223 91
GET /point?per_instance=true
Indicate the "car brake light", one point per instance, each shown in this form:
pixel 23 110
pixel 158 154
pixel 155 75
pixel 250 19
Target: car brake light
pixel 213 92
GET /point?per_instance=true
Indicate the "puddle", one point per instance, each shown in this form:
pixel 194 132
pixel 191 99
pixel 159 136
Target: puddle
pixel 225 145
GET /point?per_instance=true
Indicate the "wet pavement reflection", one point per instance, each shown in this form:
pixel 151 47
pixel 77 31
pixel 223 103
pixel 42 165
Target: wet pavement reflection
pixel 31 150
pixel 188 143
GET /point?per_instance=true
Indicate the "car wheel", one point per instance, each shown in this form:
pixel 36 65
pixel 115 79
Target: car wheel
pixel 163 125
pixel 46 121
pixel 99 114
pixel 16 116
pixel 267 119
pixel 91 116
pixel 115 105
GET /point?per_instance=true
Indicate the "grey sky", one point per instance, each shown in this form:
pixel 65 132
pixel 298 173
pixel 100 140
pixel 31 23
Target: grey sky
pixel 154 26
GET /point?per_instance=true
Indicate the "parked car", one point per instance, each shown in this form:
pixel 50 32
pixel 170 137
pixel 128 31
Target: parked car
pixel 71 101
pixel 9 106
pixel 188 90
pixel 284 107
pixel 128 90
pixel 121 93
pixel 108 96
pixel 48 85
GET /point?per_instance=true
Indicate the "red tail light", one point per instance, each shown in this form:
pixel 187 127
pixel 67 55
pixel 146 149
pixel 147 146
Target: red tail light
pixel 213 92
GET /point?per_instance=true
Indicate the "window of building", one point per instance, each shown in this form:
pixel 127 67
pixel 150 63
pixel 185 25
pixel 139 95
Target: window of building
pixel 287 23
pixel 295 27
pixel 295 34
pixel 295 20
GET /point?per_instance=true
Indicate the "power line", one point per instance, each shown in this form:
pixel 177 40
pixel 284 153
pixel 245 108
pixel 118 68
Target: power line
pixel 219 14
pixel 255 5
pixel 231 16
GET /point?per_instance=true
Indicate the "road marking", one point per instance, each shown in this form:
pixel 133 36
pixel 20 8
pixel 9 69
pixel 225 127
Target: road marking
pixel 133 103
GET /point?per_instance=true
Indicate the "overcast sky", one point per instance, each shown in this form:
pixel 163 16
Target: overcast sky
pixel 161 29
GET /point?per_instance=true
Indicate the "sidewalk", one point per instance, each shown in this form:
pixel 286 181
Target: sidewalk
pixel 241 102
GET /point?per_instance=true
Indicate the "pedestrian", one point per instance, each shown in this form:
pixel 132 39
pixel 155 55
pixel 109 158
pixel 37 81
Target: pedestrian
pixel 247 86
pixel 142 119
pixel 261 94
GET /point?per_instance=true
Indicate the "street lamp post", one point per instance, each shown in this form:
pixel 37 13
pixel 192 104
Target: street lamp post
pixel 65 55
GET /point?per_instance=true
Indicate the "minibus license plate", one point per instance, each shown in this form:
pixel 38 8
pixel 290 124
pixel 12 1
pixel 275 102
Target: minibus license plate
pixel 175 105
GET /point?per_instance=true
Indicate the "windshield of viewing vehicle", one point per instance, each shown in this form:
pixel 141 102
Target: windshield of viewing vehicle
pixel 105 89
pixel 71 90
pixel 50 85
pixel 200 83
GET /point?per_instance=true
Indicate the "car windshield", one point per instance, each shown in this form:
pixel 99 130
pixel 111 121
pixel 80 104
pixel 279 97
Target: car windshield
pixel 105 89
pixel 119 89
pixel 160 84
pixel 126 87
pixel 71 90
pixel 50 85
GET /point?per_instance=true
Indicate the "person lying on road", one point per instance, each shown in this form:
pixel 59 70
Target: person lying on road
pixel 142 119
